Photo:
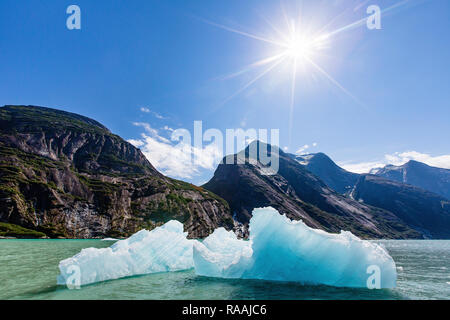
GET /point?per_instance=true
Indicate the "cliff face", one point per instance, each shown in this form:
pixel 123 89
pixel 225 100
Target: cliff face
pixel 299 194
pixel 323 167
pixel 67 175
pixel 426 212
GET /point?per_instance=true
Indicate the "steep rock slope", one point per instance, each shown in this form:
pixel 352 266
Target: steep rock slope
pixel 68 176
pixel 422 210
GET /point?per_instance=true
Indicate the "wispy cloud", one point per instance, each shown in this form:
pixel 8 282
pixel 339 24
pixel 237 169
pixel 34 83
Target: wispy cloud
pixel 398 159
pixel 302 150
pixel 155 114
pixel 362 167
pixel 147 127
pixel 167 128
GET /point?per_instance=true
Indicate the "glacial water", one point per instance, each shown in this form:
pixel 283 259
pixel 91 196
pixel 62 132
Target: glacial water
pixel 28 270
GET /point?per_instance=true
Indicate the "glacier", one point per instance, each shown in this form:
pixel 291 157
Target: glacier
pixel 278 249
pixel 163 249
pixel 283 250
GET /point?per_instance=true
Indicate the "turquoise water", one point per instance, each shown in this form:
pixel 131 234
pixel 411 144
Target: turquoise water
pixel 28 270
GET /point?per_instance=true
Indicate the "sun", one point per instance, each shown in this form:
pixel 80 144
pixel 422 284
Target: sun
pixel 297 45
pixel 301 46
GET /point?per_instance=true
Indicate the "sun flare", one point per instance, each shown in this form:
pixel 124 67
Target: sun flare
pixel 296 44
pixel 302 46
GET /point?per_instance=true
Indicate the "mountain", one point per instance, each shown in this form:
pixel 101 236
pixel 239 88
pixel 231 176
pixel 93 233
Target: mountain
pixel 415 173
pixel 415 193
pixel 65 175
pixel 406 191
pixel 299 194
pixel 329 172
pixel 419 174
pixel 422 210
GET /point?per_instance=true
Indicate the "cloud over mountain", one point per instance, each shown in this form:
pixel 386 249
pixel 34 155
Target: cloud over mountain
pixel 173 158
pixel 398 159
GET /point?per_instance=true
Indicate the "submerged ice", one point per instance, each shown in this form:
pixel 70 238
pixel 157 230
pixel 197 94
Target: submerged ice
pixel 165 248
pixel 283 250
pixel 278 249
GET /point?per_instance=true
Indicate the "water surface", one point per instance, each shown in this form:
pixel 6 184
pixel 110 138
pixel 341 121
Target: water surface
pixel 28 270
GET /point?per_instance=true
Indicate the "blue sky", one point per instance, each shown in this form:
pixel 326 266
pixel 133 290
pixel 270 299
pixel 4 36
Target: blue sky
pixel 146 67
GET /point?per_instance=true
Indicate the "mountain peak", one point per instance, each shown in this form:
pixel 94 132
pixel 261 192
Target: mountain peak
pixel 261 144
pixel 326 169
pixel 411 163
pixel 60 135
pixel 419 174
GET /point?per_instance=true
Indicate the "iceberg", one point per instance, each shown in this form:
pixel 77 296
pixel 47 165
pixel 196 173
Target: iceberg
pixel 222 255
pixel 163 249
pixel 278 249
pixel 109 239
pixel 283 250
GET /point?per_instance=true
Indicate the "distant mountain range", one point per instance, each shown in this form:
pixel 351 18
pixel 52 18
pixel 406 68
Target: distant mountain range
pixel 300 194
pixel 369 206
pixel 414 173
pixel 419 174
pixel 65 175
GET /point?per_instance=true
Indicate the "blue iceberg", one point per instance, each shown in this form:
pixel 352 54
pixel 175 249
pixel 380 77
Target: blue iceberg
pixel 278 249
pixel 283 250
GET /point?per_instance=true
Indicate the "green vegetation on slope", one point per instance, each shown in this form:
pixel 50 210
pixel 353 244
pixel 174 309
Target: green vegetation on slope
pixel 12 230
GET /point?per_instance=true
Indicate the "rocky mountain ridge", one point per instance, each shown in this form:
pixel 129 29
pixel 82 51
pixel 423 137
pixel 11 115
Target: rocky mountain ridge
pixel 419 174
pixel 299 194
pixel 424 211
pixel 68 176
